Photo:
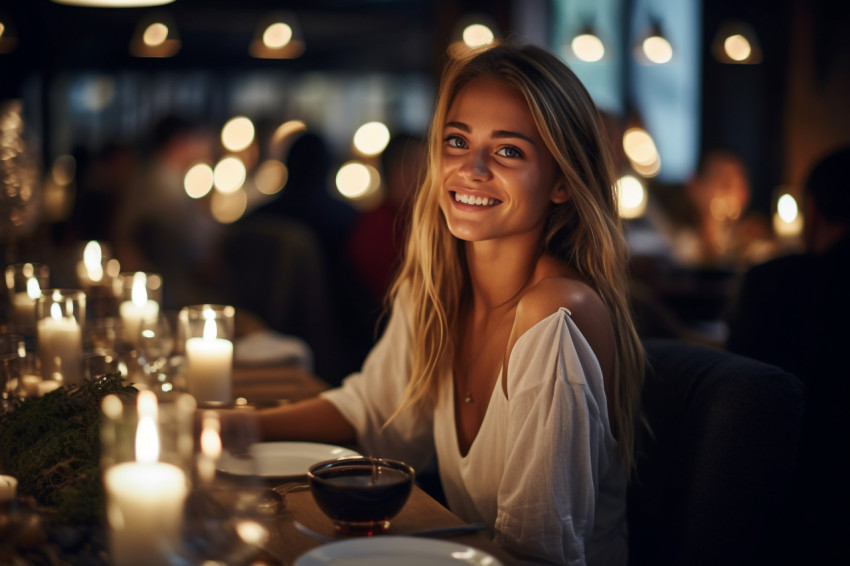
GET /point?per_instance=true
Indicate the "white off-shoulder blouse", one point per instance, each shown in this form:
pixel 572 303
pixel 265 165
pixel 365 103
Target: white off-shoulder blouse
pixel 543 470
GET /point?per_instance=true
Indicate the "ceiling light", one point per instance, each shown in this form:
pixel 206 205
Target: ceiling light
pixel 8 35
pixel 114 3
pixel 587 46
pixel 155 36
pixel 654 47
pixel 278 36
pixel 736 43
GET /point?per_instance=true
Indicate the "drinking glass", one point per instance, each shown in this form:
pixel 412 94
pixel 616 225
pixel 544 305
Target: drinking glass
pixel 223 513
pixel 12 353
pixel 155 346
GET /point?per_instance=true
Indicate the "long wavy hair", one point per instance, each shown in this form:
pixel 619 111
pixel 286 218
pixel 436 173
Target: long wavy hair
pixel 585 231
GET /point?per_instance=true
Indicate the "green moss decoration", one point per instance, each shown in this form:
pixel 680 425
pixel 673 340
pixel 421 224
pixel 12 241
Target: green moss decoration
pixel 51 444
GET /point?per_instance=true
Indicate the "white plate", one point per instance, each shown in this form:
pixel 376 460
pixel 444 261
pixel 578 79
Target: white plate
pixel 283 459
pixel 392 550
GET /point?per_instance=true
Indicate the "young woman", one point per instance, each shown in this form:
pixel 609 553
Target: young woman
pixel 510 349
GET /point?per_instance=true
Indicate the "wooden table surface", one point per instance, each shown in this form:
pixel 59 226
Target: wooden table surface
pixel 420 512
pixel 272 385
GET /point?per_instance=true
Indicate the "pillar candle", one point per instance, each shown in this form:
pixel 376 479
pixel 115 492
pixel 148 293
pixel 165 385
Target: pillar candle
pixel 209 364
pixel 60 346
pixel 145 498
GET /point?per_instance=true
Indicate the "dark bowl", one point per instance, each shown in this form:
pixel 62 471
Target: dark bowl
pixel 361 495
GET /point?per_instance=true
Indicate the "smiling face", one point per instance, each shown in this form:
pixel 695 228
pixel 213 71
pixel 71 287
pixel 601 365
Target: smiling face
pixel 498 177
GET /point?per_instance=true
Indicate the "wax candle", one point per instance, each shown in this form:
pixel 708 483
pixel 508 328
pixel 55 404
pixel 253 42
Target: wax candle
pixel 23 305
pixel 137 310
pixel 45 386
pixel 209 362
pixel 60 346
pixel 145 499
pixel 27 386
pixel 8 488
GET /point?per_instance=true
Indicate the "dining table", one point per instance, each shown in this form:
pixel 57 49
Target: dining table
pixel 266 385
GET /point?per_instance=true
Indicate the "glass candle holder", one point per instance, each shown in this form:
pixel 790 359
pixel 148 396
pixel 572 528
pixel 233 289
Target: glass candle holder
pixel 61 315
pixel 140 295
pixel 24 283
pixel 96 273
pixel 207 331
pixel 146 460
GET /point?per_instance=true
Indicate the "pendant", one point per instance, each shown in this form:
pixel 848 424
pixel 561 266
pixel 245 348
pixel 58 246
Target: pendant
pixel 468 398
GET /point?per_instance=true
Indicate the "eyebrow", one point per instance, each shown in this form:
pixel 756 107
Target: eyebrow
pixel 495 134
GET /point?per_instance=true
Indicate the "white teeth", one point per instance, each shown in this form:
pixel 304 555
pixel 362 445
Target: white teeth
pixel 477 201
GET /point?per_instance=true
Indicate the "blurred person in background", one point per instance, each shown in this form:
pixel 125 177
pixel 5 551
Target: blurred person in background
pixel 378 235
pixel 794 312
pixel 159 228
pixel 713 227
pixel 309 226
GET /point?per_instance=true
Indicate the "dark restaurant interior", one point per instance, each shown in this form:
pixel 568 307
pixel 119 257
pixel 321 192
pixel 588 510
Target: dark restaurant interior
pixel 713 150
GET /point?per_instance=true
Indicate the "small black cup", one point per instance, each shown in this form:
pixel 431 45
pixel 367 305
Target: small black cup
pixel 361 495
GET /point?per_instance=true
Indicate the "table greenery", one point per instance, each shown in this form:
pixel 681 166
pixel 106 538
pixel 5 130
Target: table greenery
pixel 51 444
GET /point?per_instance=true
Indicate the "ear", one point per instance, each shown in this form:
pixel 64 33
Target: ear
pixel 559 193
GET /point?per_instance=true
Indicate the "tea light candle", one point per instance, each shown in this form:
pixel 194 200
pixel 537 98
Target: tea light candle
pixel 208 365
pixel 23 304
pixel 136 310
pixel 60 345
pixel 8 488
pixel 145 498
pixel 28 385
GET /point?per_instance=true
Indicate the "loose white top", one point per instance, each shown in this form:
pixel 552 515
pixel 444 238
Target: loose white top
pixel 543 470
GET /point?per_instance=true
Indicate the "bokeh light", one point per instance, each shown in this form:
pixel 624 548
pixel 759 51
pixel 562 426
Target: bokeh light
pixel 277 35
pixel 477 35
pixel 237 133
pixel 155 34
pixel 355 180
pixel 588 47
pixel 271 176
pixel 371 138
pixel 229 174
pixel 631 197
pixel 198 181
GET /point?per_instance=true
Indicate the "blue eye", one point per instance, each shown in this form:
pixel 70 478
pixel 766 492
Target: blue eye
pixel 455 141
pixel 510 151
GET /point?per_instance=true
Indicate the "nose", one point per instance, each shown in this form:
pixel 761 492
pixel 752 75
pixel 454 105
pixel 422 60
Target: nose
pixel 476 166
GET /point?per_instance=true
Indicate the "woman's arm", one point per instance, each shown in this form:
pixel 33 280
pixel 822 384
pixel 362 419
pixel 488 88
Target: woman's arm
pixel 312 420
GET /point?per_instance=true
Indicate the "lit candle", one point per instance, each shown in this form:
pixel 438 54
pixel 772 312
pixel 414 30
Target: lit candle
pixel 90 269
pixel 23 305
pixel 145 498
pixel 60 346
pixel 45 386
pixel 8 488
pixel 136 310
pixel 28 385
pixel 209 363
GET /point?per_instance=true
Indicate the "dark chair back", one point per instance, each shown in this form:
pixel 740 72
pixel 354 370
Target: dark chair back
pixel 713 476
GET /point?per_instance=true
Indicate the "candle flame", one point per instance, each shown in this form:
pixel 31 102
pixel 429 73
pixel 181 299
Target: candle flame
pixel 92 258
pixel 210 328
pixel 147 438
pixel 55 311
pixel 139 293
pixel 33 288
pixel 210 436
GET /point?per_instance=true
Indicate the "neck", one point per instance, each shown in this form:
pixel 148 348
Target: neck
pixel 498 274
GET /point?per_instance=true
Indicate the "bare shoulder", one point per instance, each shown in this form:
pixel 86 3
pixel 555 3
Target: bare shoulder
pixel 585 306
pixel 552 293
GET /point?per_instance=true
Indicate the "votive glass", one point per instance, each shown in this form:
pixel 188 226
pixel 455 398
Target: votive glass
pixel 139 294
pixel 24 283
pixel 61 315
pixel 146 457
pixel 208 332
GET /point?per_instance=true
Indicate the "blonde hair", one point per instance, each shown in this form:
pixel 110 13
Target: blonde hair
pixel 584 232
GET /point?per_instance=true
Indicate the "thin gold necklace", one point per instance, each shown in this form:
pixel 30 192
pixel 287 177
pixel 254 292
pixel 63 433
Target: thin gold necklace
pixel 468 398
